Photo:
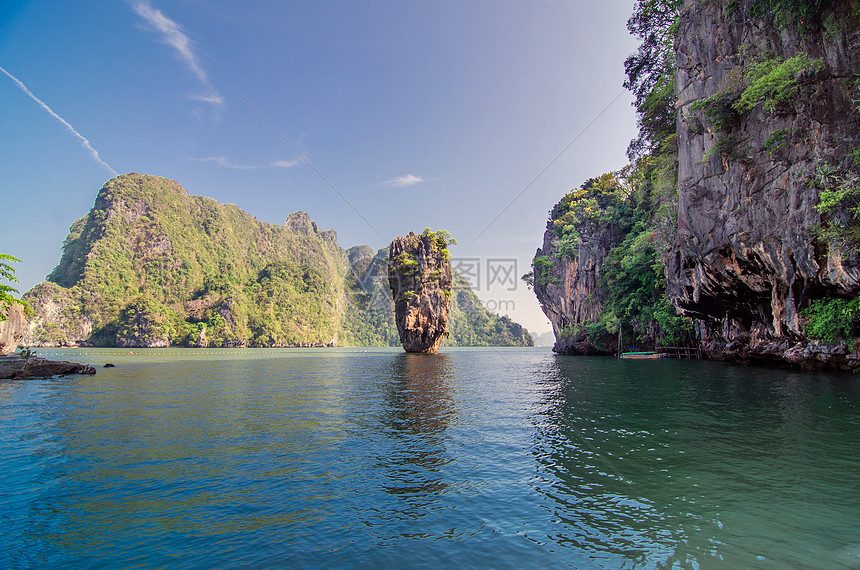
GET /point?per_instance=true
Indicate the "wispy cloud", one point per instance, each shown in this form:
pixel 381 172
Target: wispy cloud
pixel 404 181
pixel 225 162
pixel 86 144
pixel 214 99
pixel 172 34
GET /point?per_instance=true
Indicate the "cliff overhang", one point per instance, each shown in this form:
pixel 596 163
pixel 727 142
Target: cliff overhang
pixel 763 110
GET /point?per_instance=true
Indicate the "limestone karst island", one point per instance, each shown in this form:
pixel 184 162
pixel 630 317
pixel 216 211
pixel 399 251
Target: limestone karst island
pixel 733 232
pixel 420 278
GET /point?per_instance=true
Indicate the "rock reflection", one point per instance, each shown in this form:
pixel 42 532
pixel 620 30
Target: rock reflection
pixel 420 408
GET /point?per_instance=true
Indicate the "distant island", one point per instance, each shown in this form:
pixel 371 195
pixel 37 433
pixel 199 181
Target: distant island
pixel 151 266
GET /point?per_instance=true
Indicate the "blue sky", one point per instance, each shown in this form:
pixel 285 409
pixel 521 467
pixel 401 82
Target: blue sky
pixel 412 114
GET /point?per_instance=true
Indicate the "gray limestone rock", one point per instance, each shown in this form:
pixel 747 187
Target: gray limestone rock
pixel 15 367
pixel 747 259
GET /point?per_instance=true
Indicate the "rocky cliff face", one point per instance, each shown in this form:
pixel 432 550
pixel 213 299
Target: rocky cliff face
pixel 568 292
pixel 419 276
pixel 578 259
pixel 58 319
pixel 747 259
pixel 761 142
pixel 12 328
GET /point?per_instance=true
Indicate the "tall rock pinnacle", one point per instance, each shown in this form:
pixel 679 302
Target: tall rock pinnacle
pixel 419 275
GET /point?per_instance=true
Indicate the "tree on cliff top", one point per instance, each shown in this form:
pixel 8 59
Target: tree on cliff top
pixel 7 272
pixel 651 72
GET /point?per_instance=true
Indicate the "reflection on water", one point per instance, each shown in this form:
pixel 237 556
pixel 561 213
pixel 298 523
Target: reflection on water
pixel 592 452
pixel 470 458
pixel 697 463
pixel 419 408
pixel 203 454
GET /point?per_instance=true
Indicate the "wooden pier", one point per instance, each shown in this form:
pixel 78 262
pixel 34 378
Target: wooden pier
pixel 686 352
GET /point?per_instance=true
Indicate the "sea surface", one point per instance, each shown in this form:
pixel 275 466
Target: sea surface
pixel 472 458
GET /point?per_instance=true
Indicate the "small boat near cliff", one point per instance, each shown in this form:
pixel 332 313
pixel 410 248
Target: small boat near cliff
pixel 641 355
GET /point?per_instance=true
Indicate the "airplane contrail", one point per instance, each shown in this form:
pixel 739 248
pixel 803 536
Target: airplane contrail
pixel 93 152
pixel 172 34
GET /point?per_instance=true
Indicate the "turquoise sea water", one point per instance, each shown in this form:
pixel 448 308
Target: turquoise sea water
pixel 505 458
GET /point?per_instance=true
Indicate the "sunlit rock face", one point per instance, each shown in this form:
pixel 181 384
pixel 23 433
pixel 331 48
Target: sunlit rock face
pixel 568 292
pixel 12 327
pixel 747 258
pixel 419 276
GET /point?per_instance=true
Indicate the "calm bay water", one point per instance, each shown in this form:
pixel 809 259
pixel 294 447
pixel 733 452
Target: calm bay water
pixel 505 458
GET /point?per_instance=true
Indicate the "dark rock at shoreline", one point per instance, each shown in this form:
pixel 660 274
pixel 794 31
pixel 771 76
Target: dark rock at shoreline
pixel 18 368
pixel 579 344
pixel 783 353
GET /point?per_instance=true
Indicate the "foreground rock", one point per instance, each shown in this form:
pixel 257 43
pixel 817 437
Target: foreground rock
pixel 15 367
pixel 749 258
pixel 12 328
pixel 419 276
pixel 803 355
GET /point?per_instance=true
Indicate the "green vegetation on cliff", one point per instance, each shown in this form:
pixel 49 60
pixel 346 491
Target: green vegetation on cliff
pixel 832 320
pixel 839 203
pixel 206 267
pixel 7 273
pixel 631 284
pixel 405 267
pixel 151 265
